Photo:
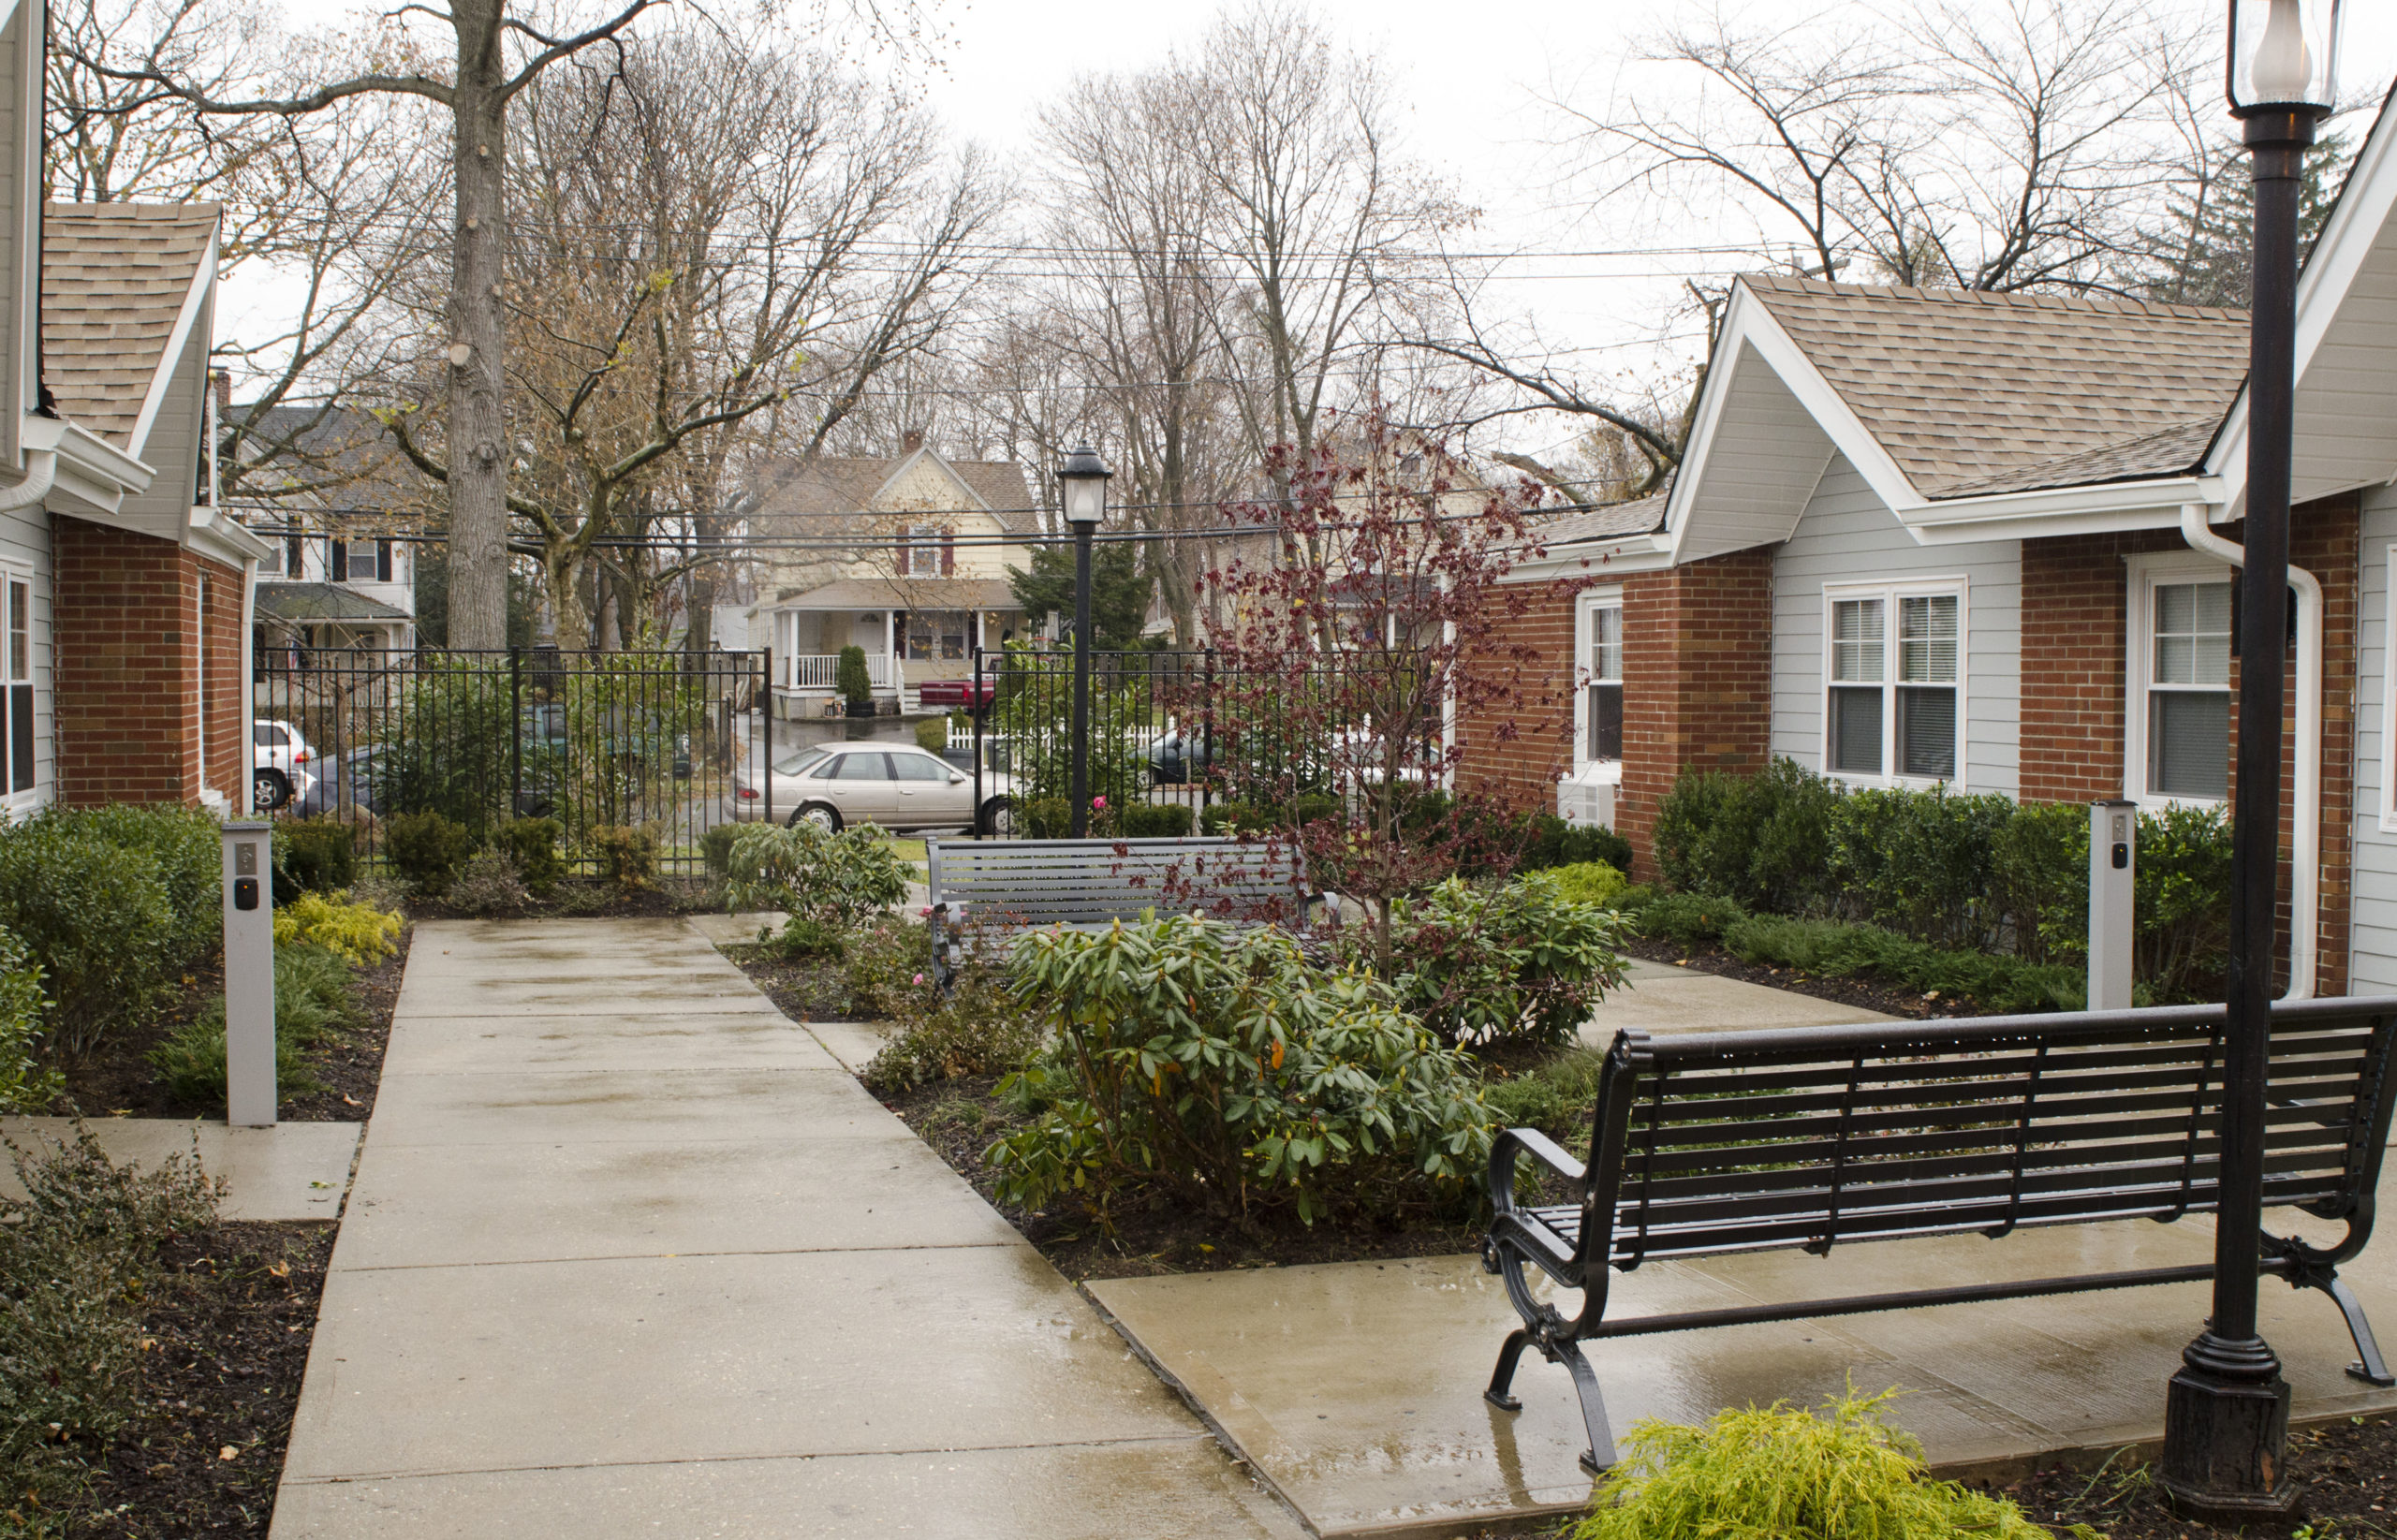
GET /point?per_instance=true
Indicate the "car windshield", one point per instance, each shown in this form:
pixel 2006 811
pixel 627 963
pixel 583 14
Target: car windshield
pixel 800 763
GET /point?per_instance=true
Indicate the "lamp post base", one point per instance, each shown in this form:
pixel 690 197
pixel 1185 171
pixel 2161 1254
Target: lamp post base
pixel 2226 1432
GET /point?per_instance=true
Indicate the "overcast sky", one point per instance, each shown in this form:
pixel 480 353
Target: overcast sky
pixel 1475 77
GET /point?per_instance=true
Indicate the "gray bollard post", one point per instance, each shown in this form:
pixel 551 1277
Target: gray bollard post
pixel 249 974
pixel 2113 838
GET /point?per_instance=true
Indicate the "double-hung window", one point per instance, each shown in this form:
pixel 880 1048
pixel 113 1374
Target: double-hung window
pixel 2187 684
pixel 16 682
pixel 1605 688
pixel 1895 682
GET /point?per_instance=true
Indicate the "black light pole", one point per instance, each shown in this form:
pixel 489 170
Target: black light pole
pixel 2226 1412
pixel 1084 479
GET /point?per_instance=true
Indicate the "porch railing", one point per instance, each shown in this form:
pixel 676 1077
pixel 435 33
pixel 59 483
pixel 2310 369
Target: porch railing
pixel 817 671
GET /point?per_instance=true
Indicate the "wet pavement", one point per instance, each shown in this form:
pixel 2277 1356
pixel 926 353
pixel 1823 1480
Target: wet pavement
pixel 1356 1387
pixel 1661 996
pixel 286 1171
pixel 630 1253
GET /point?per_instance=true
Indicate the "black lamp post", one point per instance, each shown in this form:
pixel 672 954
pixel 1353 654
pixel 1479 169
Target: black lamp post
pixel 2226 1412
pixel 1085 479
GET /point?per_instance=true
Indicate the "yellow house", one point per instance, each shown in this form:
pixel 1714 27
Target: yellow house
pixel 906 558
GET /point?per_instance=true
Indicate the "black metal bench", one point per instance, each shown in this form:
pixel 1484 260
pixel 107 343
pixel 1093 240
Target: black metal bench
pixel 1005 884
pixel 1709 1143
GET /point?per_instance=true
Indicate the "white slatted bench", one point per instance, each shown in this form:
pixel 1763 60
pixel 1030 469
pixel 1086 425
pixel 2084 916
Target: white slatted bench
pixel 1001 885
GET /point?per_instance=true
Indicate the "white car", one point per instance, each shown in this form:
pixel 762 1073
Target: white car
pixel 280 758
pixel 897 785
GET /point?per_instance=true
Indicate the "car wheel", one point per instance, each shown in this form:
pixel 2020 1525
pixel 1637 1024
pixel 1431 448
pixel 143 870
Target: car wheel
pixel 269 790
pixel 823 816
pixel 998 819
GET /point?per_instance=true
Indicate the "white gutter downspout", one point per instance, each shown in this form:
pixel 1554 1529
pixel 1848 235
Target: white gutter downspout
pixel 42 474
pixel 2305 858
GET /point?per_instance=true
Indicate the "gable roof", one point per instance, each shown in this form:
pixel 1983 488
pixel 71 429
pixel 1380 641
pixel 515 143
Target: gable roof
pixel 1642 516
pixel 1970 392
pixel 341 453
pixel 833 485
pixel 120 284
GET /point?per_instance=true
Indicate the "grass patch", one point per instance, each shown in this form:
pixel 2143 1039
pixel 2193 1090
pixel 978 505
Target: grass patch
pixel 907 850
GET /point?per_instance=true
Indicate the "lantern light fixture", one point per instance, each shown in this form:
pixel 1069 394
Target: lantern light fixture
pixel 1084 479
pixel 2283 56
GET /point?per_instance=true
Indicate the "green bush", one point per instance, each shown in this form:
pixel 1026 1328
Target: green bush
pixel 26 1084
pixel 2040 877
pixel 532 847
pixel 1843 1473
pixel 358 933
pixel 851 677
pixel 887 966
pixel 488 885
pixel 834 880
pixel 322 977
pixel 1688 921
pixel 1228 818
pixel 98 920
pixel 801 937
pixel 715 849
pixel 973 1027
pixel 191 1061
pixel 79 1262
pixel 1920 862
pixel 426 849
pixel 1048 818
pixel 312 856
pixel 188 845
pixel 932 734
pixel 2182 893
pixel 1764 841
pixel 1518 962
pixel 626 857
pixel 1591 882
pixel 1837 949
pixel 1213 1067
pixel 1152 820
pixel 1559 1097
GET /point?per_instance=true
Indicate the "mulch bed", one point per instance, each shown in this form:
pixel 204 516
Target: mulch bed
pixel 232 1326
pixel 118 1080
pixel 2347 1472
pixel 960 1118
pixel 1864 992
pixel 808 990
pixel 587 898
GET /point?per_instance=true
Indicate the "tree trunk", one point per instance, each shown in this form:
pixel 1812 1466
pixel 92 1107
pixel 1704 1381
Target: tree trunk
pixel 477 436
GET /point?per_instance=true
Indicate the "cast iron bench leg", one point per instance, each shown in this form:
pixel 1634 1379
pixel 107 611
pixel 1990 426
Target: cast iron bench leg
pixel 1497 1395
pixel 1599 1456
pixel 2368 1367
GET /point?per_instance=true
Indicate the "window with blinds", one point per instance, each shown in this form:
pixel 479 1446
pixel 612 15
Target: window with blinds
pixel 17 682
pixel 2188 691
pixel 1892 709
pixel 1605 683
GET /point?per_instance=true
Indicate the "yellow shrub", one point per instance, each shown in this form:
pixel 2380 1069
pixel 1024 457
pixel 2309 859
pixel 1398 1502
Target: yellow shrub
pixel 359 932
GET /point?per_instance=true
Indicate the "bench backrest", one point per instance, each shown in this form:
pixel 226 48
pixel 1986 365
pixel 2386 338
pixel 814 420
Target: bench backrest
pixel 1043 882
pixel 1708 1143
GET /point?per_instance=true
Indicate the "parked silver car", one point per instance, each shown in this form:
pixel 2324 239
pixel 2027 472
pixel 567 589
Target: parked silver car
pixel 897 785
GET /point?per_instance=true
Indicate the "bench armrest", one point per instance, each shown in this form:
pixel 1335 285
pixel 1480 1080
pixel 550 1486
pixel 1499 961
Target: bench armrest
pixel 1522 1141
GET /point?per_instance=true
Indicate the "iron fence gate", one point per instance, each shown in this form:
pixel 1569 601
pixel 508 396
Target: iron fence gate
pixel 1184 729
pixel 660 740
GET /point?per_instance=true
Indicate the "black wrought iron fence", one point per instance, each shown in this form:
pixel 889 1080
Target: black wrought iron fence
pixel 595 741
pixel 1184 729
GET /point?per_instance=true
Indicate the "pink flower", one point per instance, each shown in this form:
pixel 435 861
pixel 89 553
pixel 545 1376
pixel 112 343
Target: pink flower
pixel 925 913
pixel 919 979
pixel 1099 802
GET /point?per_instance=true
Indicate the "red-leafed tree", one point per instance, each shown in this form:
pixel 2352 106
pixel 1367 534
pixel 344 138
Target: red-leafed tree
pixel 1368 616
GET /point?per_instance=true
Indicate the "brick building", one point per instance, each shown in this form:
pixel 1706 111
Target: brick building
pixel 125 592
pixel 1988 541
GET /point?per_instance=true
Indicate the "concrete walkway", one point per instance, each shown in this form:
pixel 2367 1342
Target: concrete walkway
pixel 1660 996
pixel 631 1254
pixel 291 1171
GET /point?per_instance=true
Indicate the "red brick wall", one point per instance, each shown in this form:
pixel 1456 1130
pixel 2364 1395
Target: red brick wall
pixel 2075 596
pixel 1697 689
pixel 1517 747
pixel 127 620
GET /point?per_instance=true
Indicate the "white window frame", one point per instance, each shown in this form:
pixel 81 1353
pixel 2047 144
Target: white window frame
pixel 921 543
pixel 12 799
pixel 1586 605
pixel 1889 592
pixel 2145 574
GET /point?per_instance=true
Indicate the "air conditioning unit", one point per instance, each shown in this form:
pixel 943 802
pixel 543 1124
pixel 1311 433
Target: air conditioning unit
pixel 1585 801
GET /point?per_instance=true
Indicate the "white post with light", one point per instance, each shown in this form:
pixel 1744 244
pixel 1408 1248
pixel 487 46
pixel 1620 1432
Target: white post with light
pixel 249 974
pixel 2113 839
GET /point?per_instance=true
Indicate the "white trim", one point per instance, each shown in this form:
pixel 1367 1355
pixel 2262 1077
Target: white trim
pixel 2141 574
pixel 1586 604
pixel 218 536
pixel 906 462
pixel 1889 592
pixel 13 803
pixel 203 277
pixel 1595 559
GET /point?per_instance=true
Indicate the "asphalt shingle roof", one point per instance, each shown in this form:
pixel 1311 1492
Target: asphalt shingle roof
pixel 321 602
pixel 1974 393
pixel 113 279
pixel 1644 516
pixel 837 486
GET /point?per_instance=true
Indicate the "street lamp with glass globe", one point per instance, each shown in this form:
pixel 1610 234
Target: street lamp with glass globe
pixel 1083 480
pixel 2226 1417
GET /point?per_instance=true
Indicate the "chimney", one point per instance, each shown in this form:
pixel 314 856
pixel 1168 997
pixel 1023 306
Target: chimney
pixel 223 380
pixel 910 441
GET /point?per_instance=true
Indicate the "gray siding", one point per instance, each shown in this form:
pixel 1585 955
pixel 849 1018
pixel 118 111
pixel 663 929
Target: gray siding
pixel 1847 535
pixel 2372 961
pixel 24 542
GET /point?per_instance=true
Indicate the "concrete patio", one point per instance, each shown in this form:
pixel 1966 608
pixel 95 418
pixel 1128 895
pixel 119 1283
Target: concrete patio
pixel 291 1172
